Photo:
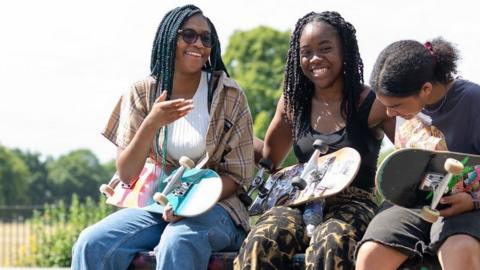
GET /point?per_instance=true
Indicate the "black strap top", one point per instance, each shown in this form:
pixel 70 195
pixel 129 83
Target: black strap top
pixel 356 134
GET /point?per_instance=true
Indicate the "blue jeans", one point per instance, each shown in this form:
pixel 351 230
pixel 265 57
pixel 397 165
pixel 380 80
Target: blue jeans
pixel 187 244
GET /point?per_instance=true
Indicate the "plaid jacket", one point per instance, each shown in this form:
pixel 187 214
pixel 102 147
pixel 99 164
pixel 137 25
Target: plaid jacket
pixel 229 140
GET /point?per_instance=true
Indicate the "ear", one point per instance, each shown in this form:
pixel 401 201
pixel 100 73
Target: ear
pixel 426 90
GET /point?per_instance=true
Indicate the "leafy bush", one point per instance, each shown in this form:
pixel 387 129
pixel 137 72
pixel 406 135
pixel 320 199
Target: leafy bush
pixel 55 230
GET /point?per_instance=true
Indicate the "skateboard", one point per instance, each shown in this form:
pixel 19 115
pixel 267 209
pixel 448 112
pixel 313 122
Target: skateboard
pixel 321 177
pixel 190 191
pixel 418 178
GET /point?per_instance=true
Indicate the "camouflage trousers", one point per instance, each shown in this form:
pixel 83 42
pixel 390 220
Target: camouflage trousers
pixel 280 233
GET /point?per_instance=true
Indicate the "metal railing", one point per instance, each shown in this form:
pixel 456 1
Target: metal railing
pixel 15 232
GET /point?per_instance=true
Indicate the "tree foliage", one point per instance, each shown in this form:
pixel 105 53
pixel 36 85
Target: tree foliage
pixel 14 175
pixel 38 187
pixel 77 172
pixel 255 59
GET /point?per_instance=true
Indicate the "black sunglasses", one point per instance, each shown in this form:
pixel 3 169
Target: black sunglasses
pixel 190 36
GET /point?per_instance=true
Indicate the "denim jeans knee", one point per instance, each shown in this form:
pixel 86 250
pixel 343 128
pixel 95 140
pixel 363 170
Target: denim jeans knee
pixel 113 242
pixel 188 243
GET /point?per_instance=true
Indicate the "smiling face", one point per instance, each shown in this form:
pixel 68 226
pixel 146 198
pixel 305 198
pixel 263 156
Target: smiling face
pixel 321 57
pixel 190 58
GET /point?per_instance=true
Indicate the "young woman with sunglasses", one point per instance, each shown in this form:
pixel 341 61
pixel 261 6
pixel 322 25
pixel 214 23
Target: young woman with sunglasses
pixel 410 77
pixel 324 98
pixel 187 106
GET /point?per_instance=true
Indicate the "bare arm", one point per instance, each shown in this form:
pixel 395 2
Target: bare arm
pixel 278 139
pixel 378 118
pixel 131 160
pixel 257 148
pixel 229 187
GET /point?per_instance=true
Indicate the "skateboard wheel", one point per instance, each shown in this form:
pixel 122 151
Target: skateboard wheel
pixel 453 166
pixel 299 183
pixel 186 162
pixel 160 198
pixel 428 214
pixel 320 146
pixel 106 190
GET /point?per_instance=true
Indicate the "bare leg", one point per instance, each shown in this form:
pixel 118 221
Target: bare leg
pixel 373 256
pixel 460 252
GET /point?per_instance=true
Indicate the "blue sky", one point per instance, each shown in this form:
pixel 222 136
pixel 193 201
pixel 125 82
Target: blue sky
pixel 64 64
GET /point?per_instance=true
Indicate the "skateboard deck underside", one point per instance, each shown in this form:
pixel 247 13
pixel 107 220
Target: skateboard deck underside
pixel 401 173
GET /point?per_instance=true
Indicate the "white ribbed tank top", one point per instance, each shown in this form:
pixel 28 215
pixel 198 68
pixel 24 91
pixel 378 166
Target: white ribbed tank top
pixel 187 135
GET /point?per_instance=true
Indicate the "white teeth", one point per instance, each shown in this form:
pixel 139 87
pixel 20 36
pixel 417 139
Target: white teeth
pixel 318 71
pixel 194 54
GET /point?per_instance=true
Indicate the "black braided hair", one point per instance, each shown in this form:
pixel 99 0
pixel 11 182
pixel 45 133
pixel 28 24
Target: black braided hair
pixel 403 67
pixel 162 64
pixel 298 89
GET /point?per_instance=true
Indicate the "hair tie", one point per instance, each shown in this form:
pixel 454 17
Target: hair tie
pixel 429 48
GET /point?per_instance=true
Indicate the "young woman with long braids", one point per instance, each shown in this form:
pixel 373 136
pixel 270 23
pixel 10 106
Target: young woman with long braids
pixel 187 106
pixel 324 97
pixel 410 77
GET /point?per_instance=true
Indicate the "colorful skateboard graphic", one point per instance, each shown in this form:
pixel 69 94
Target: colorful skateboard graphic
pixel 190 191
pixel 320 177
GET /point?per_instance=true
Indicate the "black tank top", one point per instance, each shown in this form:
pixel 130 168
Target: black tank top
pixel 355 134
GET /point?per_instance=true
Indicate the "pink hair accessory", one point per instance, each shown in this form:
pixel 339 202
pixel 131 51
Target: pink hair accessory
pixel 429 47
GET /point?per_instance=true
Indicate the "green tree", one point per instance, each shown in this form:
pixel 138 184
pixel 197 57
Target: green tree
pixel 109 167
pixel 39 190
pixel 77 172
pixel 255 59
pixel 14 175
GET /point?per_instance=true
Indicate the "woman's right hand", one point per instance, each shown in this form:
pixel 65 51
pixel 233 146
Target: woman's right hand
pixel 165 111
pixel 168 215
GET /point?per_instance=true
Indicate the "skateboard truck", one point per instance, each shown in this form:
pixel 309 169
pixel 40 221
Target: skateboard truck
pixel 431 181
pixel 174 181
pixel 453 167
pixel 108 190
pixel 258 182
pixel 321 148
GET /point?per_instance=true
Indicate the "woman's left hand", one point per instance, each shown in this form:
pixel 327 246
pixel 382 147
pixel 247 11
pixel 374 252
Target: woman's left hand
pixel 459 203
pixel 168 215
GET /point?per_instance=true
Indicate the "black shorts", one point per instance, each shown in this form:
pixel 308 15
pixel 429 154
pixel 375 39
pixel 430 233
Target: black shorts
pixel 404 230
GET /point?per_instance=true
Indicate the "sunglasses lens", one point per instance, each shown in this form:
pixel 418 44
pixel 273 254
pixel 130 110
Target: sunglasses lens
pixel 206 40
pixel 189 36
